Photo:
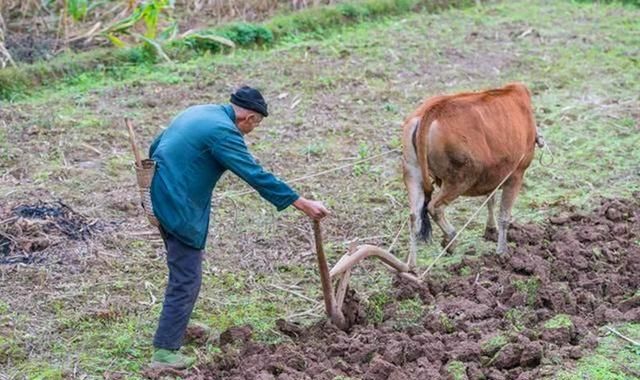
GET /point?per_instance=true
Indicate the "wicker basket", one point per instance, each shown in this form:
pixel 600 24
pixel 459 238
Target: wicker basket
pixel 144 175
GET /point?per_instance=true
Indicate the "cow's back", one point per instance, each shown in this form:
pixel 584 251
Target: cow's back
pixel 479 137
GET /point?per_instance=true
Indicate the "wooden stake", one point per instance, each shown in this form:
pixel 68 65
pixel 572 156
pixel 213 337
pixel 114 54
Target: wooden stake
pixel 132 140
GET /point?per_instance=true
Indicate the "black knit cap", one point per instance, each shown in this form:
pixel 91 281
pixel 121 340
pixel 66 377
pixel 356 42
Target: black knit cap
pixel 251 99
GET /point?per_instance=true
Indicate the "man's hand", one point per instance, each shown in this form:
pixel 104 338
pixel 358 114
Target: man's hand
pixel 314 209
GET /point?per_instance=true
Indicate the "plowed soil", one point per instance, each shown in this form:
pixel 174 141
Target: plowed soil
pixel 521 316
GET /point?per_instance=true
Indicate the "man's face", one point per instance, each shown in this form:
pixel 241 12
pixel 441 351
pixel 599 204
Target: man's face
pixel 249 122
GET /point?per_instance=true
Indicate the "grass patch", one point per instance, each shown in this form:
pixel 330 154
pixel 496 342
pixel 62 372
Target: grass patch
pixel 319 20
pixel 16 81
pixel 457 370
pixel 516 318
pixel 529 287
pixel 559 321
pixel 375 307
pixel 43 371
pixel 446 323
pixel 408 313
pixel 260 315
pixel 309 23
pixel 635 3
pixel 614 359
pixel 493 344
pixel 11 351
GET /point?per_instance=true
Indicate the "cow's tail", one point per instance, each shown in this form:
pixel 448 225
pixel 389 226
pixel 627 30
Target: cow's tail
pixel 420 142
pixel 425 228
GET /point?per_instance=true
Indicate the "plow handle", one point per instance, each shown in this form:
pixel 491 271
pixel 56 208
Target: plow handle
pixel 329 299
pixel 327 292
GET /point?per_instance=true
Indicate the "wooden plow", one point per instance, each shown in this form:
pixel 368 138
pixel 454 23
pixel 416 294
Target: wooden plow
pixel 341 272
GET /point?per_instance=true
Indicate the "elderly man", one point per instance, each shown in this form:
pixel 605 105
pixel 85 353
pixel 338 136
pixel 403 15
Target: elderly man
pixel 191 155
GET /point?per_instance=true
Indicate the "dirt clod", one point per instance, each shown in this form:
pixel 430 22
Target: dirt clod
pixel 290 329
pixel 531 355
pixel 197 335
pixel 352 308
pixel 508 357
pixel 236 335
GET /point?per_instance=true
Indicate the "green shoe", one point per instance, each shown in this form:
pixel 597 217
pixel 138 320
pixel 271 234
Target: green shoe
pixel 163 358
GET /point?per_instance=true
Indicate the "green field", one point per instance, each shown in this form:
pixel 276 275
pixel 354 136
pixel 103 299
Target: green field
pixel 335 98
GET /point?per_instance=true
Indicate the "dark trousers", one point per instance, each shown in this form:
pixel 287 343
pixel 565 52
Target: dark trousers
pixel 185 277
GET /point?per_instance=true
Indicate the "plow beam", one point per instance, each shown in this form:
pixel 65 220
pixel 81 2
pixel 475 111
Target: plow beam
pixel 349 260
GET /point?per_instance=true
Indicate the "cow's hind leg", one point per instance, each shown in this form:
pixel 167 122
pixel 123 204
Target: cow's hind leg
pixel 490 231
pixel 446 195
pixel 417 199
pixel 509 193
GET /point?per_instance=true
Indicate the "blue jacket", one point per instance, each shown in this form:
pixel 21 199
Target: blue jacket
pixel 201 143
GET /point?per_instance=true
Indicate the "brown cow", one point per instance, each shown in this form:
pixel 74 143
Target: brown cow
pixel 467 143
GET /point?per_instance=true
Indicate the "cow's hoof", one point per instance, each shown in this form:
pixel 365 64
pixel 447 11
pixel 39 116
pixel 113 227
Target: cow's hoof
pixel 451 248
pixel 502 251
pixel 490 234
